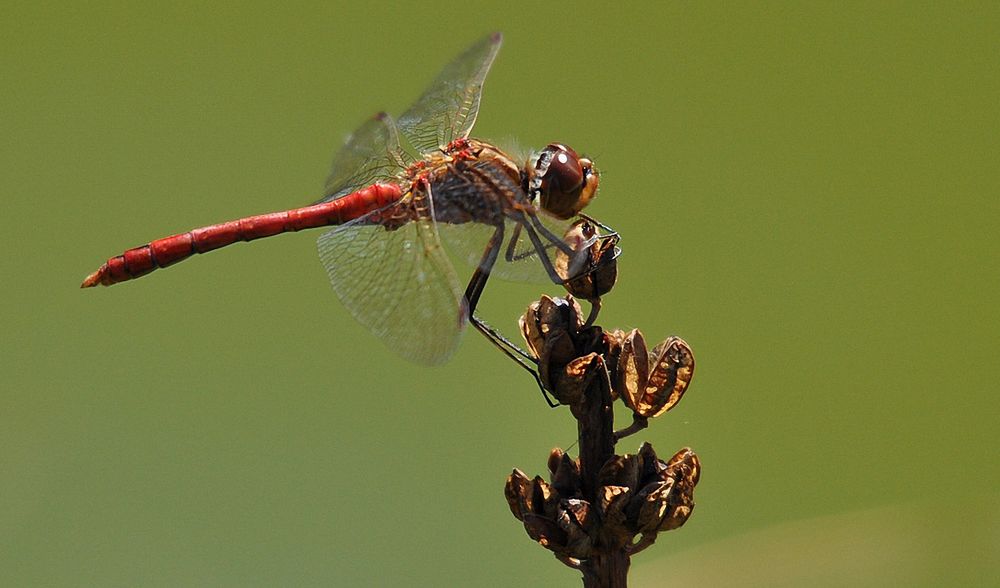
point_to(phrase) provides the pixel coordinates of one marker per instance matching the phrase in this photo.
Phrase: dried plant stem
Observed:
(608, 565)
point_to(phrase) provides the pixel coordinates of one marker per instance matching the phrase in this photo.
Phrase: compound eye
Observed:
(564, 173)
(565, 182)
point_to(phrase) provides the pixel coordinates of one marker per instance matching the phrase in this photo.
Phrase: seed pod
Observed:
(547, 318)
(568, 354)
(592, 270)
(684, 469)
(651, 384)
(565, 473)
(517, 490)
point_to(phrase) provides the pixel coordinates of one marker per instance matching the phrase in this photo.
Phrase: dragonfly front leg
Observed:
(540, 250)
(565, 248)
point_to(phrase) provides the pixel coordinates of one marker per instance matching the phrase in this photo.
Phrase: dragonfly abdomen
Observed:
(141, 260)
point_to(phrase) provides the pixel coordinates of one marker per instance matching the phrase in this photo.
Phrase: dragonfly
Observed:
(404, 198)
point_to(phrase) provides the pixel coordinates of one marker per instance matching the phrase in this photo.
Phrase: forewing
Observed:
(399, 284)
(371, 154)
(448, 108)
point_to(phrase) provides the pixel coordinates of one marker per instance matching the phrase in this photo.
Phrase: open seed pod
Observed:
(568, 353)
(653, 383)
(592, 270)
(548, 320)
(559, 522)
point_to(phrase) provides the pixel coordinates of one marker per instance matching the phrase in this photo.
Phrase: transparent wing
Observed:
(448, 108)
(398, 283)
(371, 154)
(519, 259)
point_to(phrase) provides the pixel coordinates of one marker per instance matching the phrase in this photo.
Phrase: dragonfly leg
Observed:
(510, 255)
(539, 247)
(595, 304)
(553, 239)
(497, 338)
(475, 290)
(478, 282)
(608, 231)
(609, 234)
(472, 294)
(518, 355)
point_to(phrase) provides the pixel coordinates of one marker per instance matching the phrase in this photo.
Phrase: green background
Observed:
(808, 194)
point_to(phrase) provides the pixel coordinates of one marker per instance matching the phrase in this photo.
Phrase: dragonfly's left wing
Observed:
(398, 282)
(371, 154)
(448, 108)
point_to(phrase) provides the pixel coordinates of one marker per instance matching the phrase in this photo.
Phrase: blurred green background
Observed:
(808, 195)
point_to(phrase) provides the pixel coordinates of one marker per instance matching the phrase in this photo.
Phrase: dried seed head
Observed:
(636, 495)
(570, 384)
(548, 318)
(653, 383)
(653, 507)
(592, 270)
(569, 355)
(551, 516)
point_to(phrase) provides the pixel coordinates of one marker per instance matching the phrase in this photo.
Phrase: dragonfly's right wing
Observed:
(371, 154)
(398, 283)
(448, 108)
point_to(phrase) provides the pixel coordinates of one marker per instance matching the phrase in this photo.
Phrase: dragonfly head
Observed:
(564, 182)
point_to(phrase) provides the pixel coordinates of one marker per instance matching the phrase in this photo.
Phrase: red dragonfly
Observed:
(407, 195)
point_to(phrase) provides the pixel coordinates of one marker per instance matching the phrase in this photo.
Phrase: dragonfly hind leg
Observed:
(505, 345)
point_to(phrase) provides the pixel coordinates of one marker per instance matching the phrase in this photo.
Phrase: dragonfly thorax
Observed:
(470, 181)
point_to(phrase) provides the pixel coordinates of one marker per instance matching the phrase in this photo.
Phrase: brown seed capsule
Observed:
(580, 511)
(555, 459)
(545, 531)
(547, 318)
(578, 541)
(592, 270)
(653, 507)
(684, 469)
(517, 490)
(573, 380)
(614, 500)
(620, 470)
(653, 383)
(685, 466)
(557, 352)
(569, 356)
(542, 497)
(566, 475)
